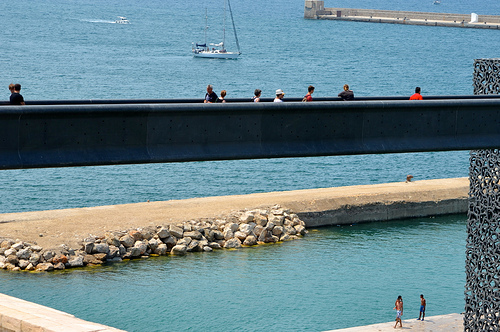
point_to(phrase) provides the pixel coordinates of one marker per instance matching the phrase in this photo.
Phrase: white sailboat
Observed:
(218, 50)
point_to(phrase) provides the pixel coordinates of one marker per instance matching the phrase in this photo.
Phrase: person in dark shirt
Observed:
(210, 96)
(346, 94)
(16, 98)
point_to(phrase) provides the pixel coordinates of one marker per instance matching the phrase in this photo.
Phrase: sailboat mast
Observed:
(206, 26)
(234, 28)
(224, 27)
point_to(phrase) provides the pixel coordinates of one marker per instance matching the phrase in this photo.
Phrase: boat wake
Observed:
(97, 21)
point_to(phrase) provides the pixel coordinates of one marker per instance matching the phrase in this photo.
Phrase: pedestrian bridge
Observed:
(109, 132)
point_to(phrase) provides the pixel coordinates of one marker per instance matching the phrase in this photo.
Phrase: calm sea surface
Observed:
(335, 277)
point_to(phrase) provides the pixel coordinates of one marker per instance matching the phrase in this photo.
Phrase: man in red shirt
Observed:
(310, 91)
(416, 95)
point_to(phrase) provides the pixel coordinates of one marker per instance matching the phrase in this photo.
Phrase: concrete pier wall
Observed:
(17, 315)
(315, 9)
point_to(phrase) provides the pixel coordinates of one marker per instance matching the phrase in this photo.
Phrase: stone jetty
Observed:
(60, 239)
(236, 230)
(315, 9)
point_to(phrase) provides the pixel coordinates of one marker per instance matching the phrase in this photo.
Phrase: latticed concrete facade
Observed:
(482, 265)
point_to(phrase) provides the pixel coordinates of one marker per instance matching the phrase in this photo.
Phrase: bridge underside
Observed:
(103, 134)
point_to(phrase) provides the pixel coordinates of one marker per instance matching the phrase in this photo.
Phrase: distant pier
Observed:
(315, 9)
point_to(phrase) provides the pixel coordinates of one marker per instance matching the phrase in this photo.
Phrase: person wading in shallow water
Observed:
(399, 311)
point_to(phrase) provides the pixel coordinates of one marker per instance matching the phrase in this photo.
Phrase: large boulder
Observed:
(170, 242)
(176, 231)
(278, 230)
(240, 235)
(12, 259)
(214, 245)
(233, 243)
(6, 244)
(247, 228)
(179, 250)
(233, 227)
(18, 246)
(45, 267)
(250, 241)
(76, 261)
(153, 244)
(277, 220)
(193, 234)
(127, 241)
(92, 260)
(60, 258)
(300, 229)
(142, 246)
(246, 217)
(23, 264)
(10, 251)
(258, 230)
(260, 219)
(184, 241)
(290, 230)
(59, 266)
(113, 252)
(163, 233)
(24, 253)
(34, 258)
(88, 247)
(101, 248)
(218, 235)
(228, 234)
(194, 246)
(112, 239)
(161, 249)
(137, 235)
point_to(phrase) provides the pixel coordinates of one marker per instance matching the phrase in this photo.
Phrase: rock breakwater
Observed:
(236, 230)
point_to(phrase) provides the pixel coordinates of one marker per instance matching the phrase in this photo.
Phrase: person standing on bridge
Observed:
(417, 95)
(210, 96)
(279, 96)
(16, 98)
(256, 97)
(346, 94)
(308, 96)
(399, 311)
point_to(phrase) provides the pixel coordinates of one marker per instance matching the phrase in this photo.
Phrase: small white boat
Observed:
(122, 20)
(217, 51)
(437, 2)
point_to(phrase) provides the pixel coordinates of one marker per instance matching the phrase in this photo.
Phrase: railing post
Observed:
(482, 262)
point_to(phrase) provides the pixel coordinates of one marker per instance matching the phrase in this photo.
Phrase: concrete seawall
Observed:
(17, 315)
(315, 9)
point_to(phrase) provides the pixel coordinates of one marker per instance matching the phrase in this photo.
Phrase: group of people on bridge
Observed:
(346, 94)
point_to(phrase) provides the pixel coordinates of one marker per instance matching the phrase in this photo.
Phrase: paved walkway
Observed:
(443, 323)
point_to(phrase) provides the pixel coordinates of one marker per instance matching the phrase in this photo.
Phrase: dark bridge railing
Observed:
(79, 133)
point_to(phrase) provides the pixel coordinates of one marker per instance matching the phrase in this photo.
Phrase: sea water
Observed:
(335, 277)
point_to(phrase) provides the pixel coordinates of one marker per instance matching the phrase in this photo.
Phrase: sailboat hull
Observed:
(216, 55)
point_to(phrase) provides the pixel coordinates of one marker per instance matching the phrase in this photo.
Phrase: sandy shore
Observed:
(50, 229)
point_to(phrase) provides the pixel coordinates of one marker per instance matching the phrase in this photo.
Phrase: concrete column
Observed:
(482, 262)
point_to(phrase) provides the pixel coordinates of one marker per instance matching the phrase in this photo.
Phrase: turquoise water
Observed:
(336, 277)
